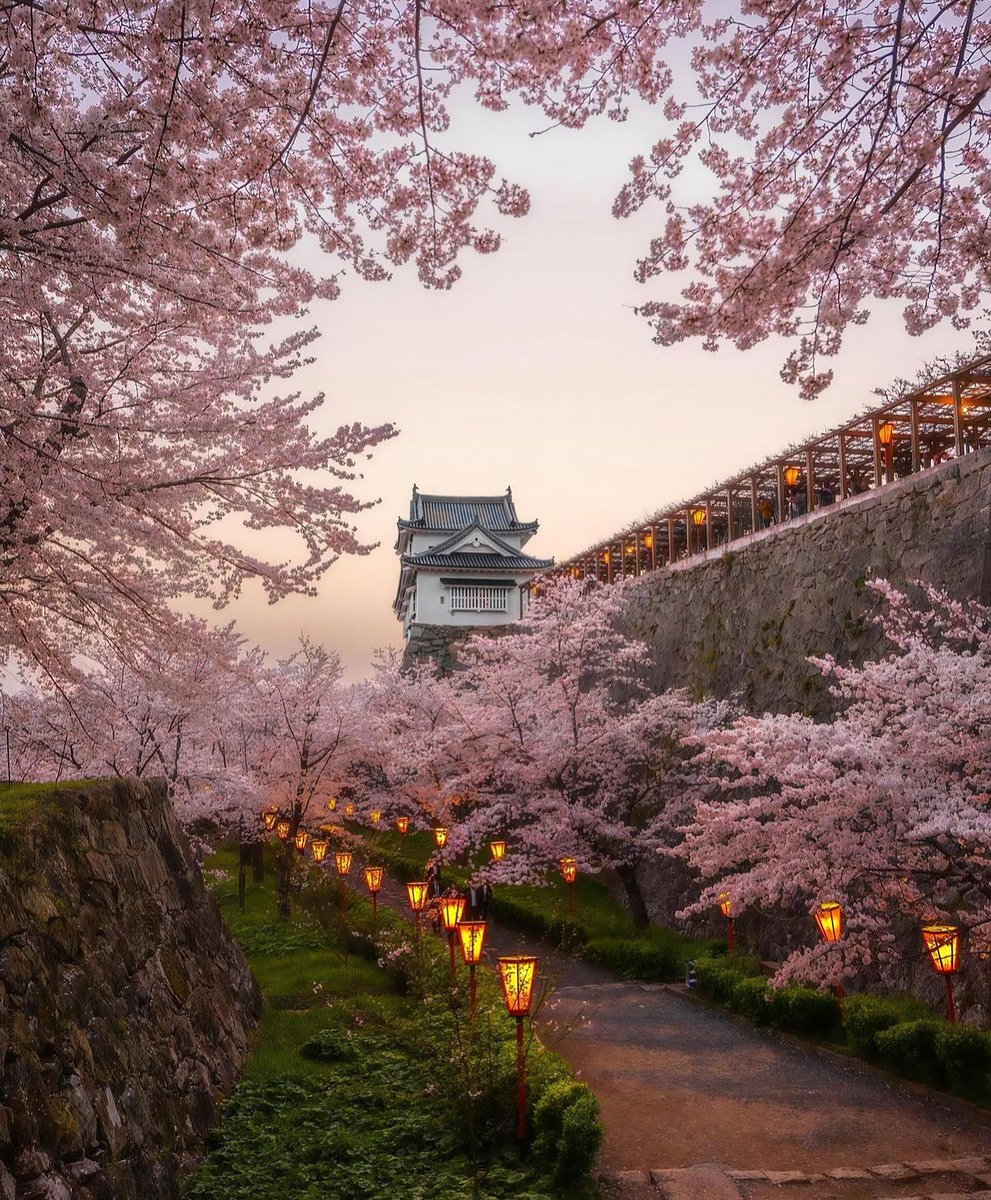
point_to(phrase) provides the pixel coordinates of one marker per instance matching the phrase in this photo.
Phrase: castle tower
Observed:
(462, 562)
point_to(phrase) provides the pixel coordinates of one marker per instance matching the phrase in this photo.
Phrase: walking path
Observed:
(700, 1105)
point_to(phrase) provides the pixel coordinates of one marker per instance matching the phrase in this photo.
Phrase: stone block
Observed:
(895, 1172)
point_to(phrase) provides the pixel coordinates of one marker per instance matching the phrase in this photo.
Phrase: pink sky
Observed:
(534, 371)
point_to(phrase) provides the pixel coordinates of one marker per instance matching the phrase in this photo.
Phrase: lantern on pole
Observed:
(373, 881)
(332, 804)
(376, 815)
(452, 909)
(417, 894)
(829, 918)
(302, 837)
(886, 436)
(270, 816)
(318, 847)
(498, 851)
(792, 475)
(569, 873)
(517, 974)
(402, 824)
(440, 836)
(942, 943)
(472, 937)
(726, 908)
(282, 830)
(350, 809)
(342, 860)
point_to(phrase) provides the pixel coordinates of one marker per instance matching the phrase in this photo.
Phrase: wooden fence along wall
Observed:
(948, 418)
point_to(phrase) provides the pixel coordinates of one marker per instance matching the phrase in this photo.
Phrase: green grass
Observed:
(20, 801)
(353, 1088)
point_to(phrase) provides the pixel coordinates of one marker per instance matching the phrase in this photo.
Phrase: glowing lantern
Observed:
(440, 836)
(498, 851)
(725, 904)
(270, 816)
(402, 824)
(792, 475)
(576, 573)
(886, 433)
(829, 918)
(350, 809)
(452, 909)
(698, 516)
(319, 848)
(471, 934)
(342, 859)
(648, 541)
(376, 815)
(517, 974)
(302, 837)
(942, 943)
(606, 557)
(331, 804)
(417, 894)
(373, 881)
(282, 829)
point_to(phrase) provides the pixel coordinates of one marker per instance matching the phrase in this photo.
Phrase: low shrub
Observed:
(965, 1055)
(867, 1016)
(804, 1010)
(749, 998)
(636, 959)
(910, 1049)
(715, 979)
(567, 1131)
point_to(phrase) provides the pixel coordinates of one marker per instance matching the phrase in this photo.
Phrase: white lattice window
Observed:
(475, 597)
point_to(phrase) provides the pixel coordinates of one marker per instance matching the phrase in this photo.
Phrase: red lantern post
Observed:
(517, 974)
(569, 873)
(942, 943)
(472, 935)
(452, 909)
(417, 894)
(373, 881)
(829, 919)
(726, 908)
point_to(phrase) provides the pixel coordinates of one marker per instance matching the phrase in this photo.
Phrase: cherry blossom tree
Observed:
(181, 717)
(884, 808)
(549, 737)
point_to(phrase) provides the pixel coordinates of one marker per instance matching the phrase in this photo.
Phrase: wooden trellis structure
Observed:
(949, 417)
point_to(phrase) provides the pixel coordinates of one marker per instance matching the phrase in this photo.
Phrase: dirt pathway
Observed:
(698, 1105)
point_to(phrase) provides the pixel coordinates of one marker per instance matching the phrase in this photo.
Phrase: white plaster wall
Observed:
(430, 610)
(420, 543)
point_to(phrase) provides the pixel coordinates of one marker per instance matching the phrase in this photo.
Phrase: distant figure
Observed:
(765, 513)
(826, 495)
(486, 898)
(475, 901)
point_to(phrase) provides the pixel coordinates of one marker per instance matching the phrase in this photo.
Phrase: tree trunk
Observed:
(285, 882)
(634, 897)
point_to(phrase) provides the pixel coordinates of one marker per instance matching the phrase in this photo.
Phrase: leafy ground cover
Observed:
(369, 1078)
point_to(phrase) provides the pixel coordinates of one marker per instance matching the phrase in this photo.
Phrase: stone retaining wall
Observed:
(744, 618)
(126, 1008)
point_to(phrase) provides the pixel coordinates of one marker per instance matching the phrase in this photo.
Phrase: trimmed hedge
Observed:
(867, 1016)
(966, 1057)
(909, 1048)
(744, 989)
(660, 960)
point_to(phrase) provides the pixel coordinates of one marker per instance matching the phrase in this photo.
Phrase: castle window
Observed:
(473, 597)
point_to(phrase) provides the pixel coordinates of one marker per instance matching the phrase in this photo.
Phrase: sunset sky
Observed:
(534, 371)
